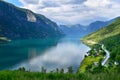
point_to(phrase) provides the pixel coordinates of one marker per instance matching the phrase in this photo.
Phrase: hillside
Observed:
(106, 32)
(19, 23)
(109, 36)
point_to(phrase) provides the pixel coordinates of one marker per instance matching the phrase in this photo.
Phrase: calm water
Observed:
(49, 53)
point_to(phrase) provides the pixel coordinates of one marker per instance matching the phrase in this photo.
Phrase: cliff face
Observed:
(18, 23)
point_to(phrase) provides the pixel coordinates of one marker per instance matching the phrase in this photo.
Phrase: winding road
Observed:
(107, 55)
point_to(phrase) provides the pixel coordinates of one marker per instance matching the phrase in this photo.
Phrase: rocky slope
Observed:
(18, 23)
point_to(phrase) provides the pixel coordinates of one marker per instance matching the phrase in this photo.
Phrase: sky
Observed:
(73, 11)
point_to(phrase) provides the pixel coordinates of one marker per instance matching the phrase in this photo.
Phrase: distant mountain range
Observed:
(73, 30)
(80, 30)
(18, 23)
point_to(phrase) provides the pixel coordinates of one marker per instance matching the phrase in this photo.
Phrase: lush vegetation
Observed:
(87, 62)
(113, 45)
(26, 75)
(92, 60)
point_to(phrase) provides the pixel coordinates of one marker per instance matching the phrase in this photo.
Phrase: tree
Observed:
(100, 62)
(62, 70)
(22, 69)
(88, 67)
(70, 70)
(43, 70)
(118, 59)
(57, 70)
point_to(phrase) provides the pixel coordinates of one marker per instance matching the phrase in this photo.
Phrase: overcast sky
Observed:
(73, 11)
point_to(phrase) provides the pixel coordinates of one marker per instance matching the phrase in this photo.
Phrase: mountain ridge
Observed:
(82, 30)
(19, 23)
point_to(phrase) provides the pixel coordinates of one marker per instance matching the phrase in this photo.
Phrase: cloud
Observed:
(97, 3)
(25, 2)
(75, 11)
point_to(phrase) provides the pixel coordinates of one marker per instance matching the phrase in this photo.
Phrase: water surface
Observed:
(47, 53)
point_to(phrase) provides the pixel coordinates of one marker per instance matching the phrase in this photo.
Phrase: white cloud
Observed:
(97, 3)
(75, 11)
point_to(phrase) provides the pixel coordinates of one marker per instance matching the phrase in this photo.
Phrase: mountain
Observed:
(73, 30)
(110, 37)
(19, 23)
(81, 30)
(98, 25)
(109, 31)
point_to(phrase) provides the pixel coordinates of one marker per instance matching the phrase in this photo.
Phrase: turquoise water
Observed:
(47, 53)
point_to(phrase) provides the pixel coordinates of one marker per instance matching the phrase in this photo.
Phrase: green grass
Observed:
(88, 61)
(24, 75)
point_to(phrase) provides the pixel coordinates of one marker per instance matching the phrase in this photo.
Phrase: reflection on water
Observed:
(23, 50)
(68, 52)
(47, 53)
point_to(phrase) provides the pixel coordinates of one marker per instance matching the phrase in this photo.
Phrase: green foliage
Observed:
(43, 70)
(88, 68)
(57, 70)
(70, 70)
(113, 45)
(118, 58)
(62, 70)
(22, 69)
(87, 62)
(25, 75)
